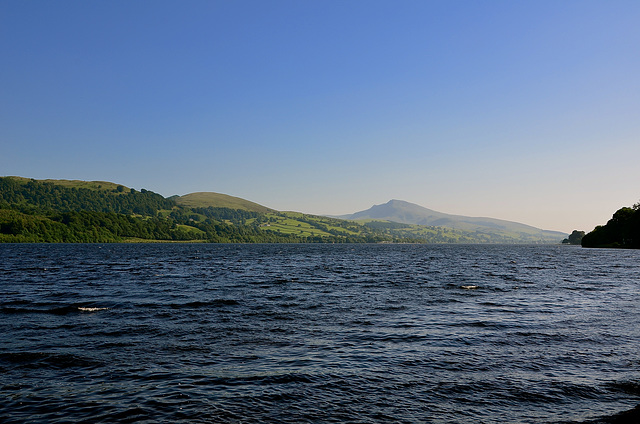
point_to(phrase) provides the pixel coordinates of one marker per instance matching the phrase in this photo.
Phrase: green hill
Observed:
(218, 200)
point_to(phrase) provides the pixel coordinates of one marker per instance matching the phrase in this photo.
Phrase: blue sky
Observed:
(521, 110)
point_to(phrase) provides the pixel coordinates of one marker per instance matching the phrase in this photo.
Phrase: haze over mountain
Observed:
(409, 213)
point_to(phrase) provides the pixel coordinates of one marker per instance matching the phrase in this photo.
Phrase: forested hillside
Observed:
(622, 230)
(50, 211)
(48, 196)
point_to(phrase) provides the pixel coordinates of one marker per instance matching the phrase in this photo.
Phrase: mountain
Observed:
(409, 213)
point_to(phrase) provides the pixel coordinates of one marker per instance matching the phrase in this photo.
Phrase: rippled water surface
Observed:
(318, 333)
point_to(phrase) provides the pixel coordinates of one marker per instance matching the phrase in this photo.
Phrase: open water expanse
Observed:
(196, 333)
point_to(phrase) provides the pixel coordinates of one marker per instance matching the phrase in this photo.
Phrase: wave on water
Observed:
(319, 334)
(52, 310)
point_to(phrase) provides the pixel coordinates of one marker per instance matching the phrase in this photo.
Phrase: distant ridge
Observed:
(76, 211)
(218, 200)
(409, 213)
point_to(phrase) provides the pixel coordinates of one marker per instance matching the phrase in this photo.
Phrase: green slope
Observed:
(218, 200)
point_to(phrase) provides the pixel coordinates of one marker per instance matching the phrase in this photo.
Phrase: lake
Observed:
(273, 333)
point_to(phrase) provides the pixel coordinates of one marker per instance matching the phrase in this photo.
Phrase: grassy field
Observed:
(289, 225)
(311, 225)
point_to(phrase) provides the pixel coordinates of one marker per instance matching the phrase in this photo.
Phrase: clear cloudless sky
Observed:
(520, 110)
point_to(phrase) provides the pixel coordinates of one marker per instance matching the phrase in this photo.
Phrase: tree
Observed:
(574, 238)
(622, 230)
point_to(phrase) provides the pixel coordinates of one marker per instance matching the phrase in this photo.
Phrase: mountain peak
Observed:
(409, 213)
(397, 202)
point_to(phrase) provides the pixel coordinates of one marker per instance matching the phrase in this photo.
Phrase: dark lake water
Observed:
(188, 333)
